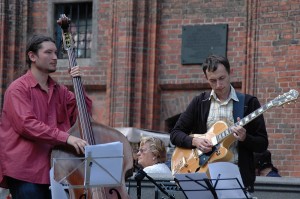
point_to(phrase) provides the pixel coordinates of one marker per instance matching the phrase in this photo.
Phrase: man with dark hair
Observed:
(37, 114)
(264, 166)
(224, 104)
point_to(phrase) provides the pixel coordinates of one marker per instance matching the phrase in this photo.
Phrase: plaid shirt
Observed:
(223, 111)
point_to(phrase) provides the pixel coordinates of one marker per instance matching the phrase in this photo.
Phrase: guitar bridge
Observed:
(206, 156)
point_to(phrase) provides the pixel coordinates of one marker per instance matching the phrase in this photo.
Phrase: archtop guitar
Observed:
(193, 160)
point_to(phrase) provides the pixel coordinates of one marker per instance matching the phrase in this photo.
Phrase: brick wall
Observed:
(135, 74)
(263, 49)
(278, 71)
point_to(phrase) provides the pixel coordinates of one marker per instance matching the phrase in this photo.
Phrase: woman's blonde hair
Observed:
(157, 147)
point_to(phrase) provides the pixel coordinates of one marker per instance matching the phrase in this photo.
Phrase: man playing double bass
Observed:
(37, 114)
(221, 104)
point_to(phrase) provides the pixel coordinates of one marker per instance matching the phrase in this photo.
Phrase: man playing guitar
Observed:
(214, 111)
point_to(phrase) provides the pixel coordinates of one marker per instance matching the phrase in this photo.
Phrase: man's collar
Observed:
(232, 95)
(34, 83)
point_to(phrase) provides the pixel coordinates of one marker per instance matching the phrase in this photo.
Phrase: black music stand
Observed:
(102, 167)
(195, 184)
(225, 182)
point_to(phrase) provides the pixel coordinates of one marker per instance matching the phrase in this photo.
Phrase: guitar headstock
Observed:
(64, 23)
(288, 97)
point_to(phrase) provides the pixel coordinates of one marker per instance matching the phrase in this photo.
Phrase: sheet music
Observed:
(106, 167)
(57, 190)
(193, 185)
(223, 170)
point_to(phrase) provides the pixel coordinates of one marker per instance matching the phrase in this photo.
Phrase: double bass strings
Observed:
(81, 104)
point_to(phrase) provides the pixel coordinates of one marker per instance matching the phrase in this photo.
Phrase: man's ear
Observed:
(32, 56)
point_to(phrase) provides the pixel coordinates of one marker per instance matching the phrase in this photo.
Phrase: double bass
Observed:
(91, 131)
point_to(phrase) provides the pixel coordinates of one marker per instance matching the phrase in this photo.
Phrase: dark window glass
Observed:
(80, 27)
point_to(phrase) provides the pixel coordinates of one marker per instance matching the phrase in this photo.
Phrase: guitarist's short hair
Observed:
(211, 63)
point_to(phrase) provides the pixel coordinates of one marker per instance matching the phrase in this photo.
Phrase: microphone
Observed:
(140, 175)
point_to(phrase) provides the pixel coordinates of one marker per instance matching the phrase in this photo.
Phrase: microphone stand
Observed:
(140, 176)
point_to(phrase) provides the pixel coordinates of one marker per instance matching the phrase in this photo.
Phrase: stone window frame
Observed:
(80, 61)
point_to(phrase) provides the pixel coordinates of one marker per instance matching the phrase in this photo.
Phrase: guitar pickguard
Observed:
(203, 159)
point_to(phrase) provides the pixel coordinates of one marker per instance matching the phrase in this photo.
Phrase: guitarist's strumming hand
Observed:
(239, 132)
(203, 144)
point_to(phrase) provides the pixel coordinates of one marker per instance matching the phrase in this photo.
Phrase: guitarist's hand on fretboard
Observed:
(239, 132)
(203, 144)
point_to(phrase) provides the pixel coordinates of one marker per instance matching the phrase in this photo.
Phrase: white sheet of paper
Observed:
(57, 190)
(107, 168)
(189, 184)
(223, 170)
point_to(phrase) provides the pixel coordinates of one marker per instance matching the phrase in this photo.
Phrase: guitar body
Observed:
(193, 160)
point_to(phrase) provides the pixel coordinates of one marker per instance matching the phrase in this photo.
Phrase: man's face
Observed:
(45, 60)
(219, 81)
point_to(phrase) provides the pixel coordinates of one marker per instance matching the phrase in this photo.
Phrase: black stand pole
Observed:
(211, 188)
(140, 176)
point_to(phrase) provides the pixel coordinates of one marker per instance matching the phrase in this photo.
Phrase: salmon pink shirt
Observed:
(33, 121)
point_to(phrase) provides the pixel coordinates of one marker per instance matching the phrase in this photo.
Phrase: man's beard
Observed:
(51, 70)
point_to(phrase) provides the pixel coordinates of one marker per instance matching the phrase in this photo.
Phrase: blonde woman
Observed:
(152, 155)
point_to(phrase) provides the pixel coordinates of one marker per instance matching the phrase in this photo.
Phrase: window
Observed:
(80, 27)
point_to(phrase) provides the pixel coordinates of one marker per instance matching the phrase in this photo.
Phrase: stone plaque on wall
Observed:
(199, 41)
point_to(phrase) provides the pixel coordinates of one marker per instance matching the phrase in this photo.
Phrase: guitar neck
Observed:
(278, 101)
(244, 121)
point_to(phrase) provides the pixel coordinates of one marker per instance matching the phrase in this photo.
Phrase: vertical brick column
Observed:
(132, 75)
(249, 80)
(152, 100)
(119, 69)
(145, 107)
(2, 31)
(13, 29)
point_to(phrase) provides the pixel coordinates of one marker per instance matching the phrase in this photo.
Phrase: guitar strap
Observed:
(238, 107)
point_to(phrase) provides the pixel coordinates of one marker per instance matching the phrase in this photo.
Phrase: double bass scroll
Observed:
(91, 131)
